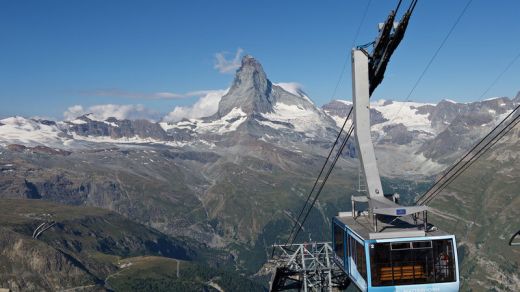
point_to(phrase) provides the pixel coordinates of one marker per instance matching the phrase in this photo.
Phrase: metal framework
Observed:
(378, 204)
(368, 71)
(305, 267)
(515, 239)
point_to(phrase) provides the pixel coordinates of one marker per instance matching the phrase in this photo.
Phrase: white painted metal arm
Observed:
(361, 103)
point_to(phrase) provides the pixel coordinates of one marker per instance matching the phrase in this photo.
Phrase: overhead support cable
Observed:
(497, 133)
(479, 154)
(446, 173)
(469, 163)
(384, 46)
(390, 35)
(455, 171)
(365, 12)
(297, 223)
(499, 76)
(322, 185)
(356, 35)
(434, 56)
(451, 169)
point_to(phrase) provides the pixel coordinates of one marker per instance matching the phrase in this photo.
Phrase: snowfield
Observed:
(398, 112)
(227, 123)
(28, 132)
(19, 130)
(303, 120)
(395, 112)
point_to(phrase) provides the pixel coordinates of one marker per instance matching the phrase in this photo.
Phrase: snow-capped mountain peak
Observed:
(277, 106)
(251, 91)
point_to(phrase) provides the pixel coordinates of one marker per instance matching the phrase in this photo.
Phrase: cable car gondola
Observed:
(400, 257)
(381, 245)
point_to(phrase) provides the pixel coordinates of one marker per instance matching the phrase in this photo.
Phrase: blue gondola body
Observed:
(362, 273)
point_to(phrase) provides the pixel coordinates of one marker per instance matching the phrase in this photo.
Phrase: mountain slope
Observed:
(481, 208)
(165, 274)
(79, 248)
(423, 139)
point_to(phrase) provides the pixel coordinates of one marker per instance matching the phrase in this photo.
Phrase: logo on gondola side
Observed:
(433, 289)
(400, 212)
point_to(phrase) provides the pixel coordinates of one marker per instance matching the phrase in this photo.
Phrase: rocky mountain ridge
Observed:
(278, 114)
(439, 132)
(448, 127)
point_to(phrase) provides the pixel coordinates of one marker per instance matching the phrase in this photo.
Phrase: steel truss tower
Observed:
(305, 267)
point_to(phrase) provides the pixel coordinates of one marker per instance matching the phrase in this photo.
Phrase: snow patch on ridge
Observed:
(78, 122)
(395, 112)
(398, 112)
(340, 120)
(303, 120)
(127, 140)
(492, 98)
(347, 102)
(28, 132)
(19, 130)
(228, 123)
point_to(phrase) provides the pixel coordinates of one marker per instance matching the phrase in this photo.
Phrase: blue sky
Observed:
(57, 54)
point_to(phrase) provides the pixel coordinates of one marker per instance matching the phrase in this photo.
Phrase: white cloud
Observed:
(105, 111)
(205, 106)
(114, 92)
(73, 112)
(228, 66)
(294, 88)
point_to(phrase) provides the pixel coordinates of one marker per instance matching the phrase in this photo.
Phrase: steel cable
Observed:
(338, 155)
(447, 178)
